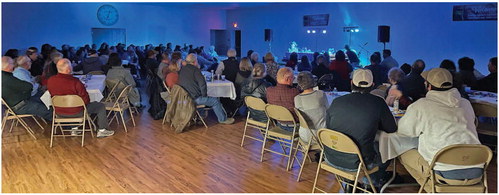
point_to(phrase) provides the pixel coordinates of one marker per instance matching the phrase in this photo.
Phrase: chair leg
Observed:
(131, 116)
(4, 120)
(202, 120)
(83, 134)
(317, 173)
(371, 183)
(302, 164)
(289, 156)
(37, 122)
(244, 132)
(52, 133)
(123, 119)
(263, 147)
(164, 118)
(30, 131)
(12, 125)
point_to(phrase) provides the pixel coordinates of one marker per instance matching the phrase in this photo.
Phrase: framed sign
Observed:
(316, 20)
(483, 11)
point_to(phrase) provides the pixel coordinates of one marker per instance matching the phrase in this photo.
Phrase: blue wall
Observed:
(418, 30)
(33, 24)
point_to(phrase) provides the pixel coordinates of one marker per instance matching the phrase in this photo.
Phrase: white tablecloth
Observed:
(483, 97)
(332, 95)
(392, 145)
(220, 88)
(95, 86)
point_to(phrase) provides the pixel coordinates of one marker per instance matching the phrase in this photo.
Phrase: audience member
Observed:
(283, 93)
(65, 84)
(13, 53)
(22, 72)
(243, 75)
(255, 58)
(212, 52)
(17, 93)
(439, 120)
(191, 79)
(229, 67)
(395, 75)
(388, 60)
(248, 54)
(406, 68)
(360, 121)
(36, 61)
(163, 66)
(171, 77)
(292, 61)
(466, 71)
(304, 65)
(379, 72)
(151, 63)
(272, 67)
(342, 69)
(321, 68)
(413, 85)
(50, 68)
(456, 81)
(119, 73)
(91, 63)
(312, 103)
(257, 87)
(489, 83)
(314, 61)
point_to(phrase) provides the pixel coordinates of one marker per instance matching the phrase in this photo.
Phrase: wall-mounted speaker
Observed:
(383, 34)
(268, 35)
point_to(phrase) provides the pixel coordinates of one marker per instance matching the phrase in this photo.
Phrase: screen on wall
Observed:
(316, 20)
(483, 11)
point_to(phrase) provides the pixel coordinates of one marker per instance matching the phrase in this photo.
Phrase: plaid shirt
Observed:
(283, 95)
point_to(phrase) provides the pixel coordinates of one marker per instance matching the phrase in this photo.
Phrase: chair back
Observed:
(326, 82)
(114, 85)
(463, 154)
(123, 97)
(255, 103)
(67, 101)
(166, 87)
(484, 110)
(338, 141)
(305, 125)
(279, 113)
(9, 110)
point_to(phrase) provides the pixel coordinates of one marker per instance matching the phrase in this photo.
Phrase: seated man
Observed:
(91, 63)
(17, 93)
(440, 119)
(412, 85)
(22, 72)
(283, 94)
(489, 83)
(191, 79)
(360, 115)
(65, 84)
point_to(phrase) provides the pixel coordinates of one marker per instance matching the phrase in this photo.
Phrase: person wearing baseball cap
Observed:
(91, 63)
(360, 115)
(440, 119)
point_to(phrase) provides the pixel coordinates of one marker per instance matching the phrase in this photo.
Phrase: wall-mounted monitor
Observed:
(482, 11)
(316, 20)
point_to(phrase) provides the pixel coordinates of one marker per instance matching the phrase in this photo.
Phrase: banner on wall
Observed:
(483, 11)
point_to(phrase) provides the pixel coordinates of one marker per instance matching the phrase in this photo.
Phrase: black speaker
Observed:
(384, 34)
(268, 34)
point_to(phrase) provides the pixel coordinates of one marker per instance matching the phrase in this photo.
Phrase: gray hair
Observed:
(231, 53)
(191, 59)
(259, 70)
(305, 80)
(254, 55)
(6, 61)
(396, 74)
(63, 64)
(21, 60)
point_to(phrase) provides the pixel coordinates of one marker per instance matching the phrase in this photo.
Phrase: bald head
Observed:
(64, 66)
(192, 59)
(231, 53)
(285, 76)
(7, 64)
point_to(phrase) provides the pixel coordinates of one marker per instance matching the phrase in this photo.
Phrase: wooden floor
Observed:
(152, 158)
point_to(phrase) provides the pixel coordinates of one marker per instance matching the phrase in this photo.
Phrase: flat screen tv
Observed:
(316, 20)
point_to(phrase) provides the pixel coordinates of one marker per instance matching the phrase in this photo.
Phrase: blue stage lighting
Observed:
(356, 30)
(313, 31)
(323, 31)
(308, 31)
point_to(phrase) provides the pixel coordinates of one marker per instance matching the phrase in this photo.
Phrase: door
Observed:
(221, 40)
(112, 36)
(238, 43)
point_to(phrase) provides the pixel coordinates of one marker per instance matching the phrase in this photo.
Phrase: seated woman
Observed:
(395, 75)
(312, 103)
(119, 73)
(171, 73)
(257, 87)
(243, 75)
(304, 65)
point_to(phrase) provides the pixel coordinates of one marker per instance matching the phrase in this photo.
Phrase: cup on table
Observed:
(217, 77)
(223, 77)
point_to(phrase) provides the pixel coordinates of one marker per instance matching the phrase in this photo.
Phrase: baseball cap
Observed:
(362, 78)
(438, 77)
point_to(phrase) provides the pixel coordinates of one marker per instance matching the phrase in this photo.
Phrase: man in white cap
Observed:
(360, 115)
(440, 119)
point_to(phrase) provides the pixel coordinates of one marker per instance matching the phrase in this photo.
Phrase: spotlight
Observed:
(323, 31)
(313, 31)
(356, 30)
(308, 31)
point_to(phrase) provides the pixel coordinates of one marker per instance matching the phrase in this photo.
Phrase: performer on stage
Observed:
(352, 57)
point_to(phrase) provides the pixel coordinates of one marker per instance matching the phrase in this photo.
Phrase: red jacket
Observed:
(342, 68)
(66, 84)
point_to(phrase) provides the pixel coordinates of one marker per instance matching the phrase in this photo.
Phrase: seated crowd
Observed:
(438, 111)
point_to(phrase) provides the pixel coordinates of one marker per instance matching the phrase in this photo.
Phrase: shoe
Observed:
(75, 131)
(228, 121)
(104, 133)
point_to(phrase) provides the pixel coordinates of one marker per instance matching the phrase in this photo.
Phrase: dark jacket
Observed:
(488, 83)
(36, 67)
(256, 88)
(413, 86)
(380, 74)
(89, 64)
(14, 90)
(304, 67)
(468, 78)
(191, 79)
(241, 78)
(320, 71)
(358, 116)
(231, 67)
(152, 64)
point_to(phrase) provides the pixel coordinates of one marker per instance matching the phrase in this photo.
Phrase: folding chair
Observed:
(259, 105)
(120, 106)
(113, 85)
(326, 82)
(486, 131)
(167, 90)
(11, 115)
(69, 101)
(303, 146)
(340, 142)
(460, 154)
(285, 138)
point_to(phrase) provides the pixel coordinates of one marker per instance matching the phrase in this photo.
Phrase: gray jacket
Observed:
(191, 79)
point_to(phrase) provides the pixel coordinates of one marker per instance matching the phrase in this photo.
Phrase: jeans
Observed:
(95, 108)
(35, 108)
(461, 174)
(215, 104)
